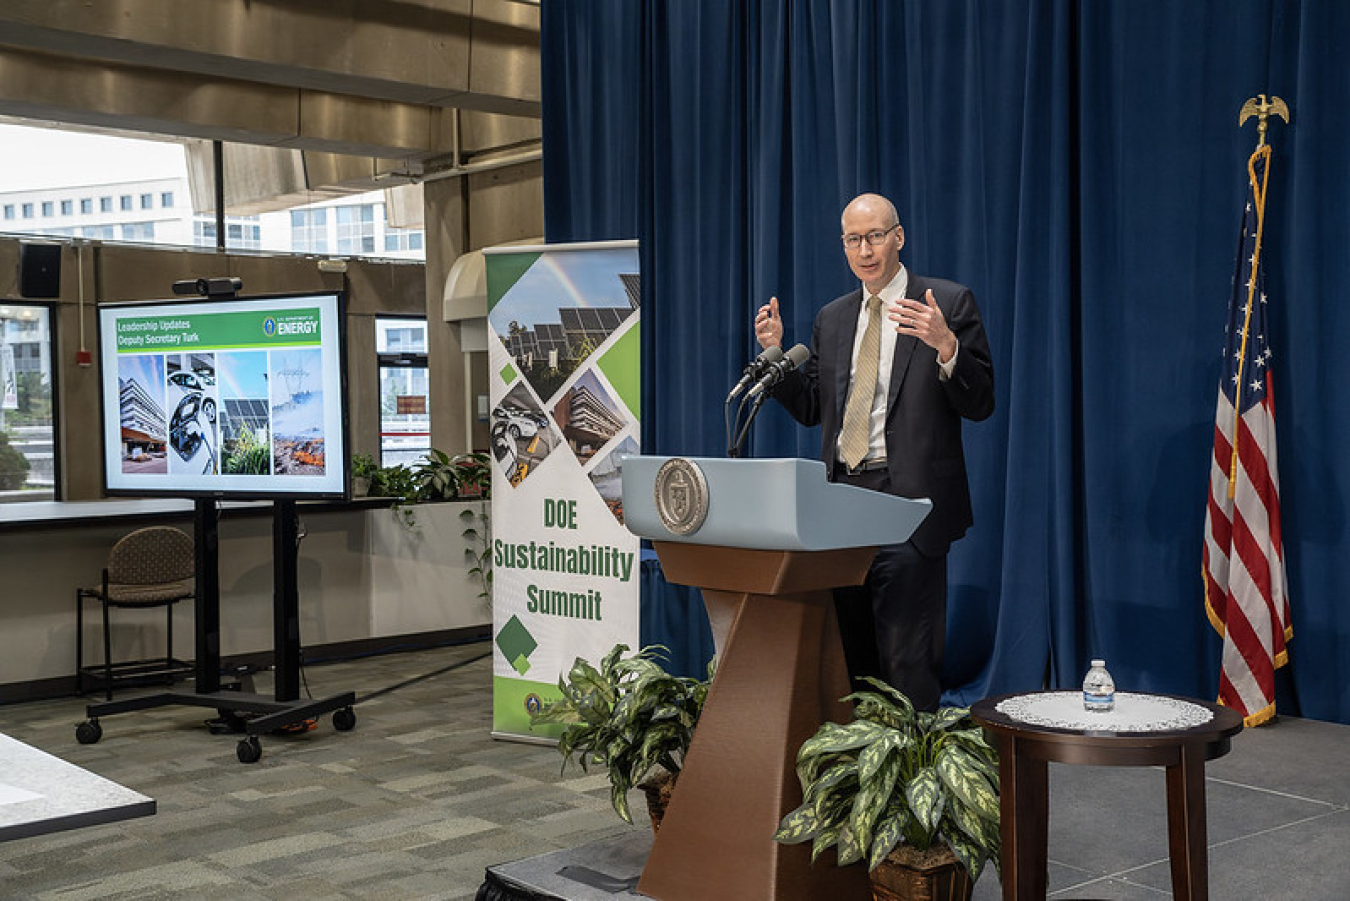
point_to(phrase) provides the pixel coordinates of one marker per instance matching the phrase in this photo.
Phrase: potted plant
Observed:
(631, 716)
(474, 473)
(363, 468)
(915, 794)
(436, 477)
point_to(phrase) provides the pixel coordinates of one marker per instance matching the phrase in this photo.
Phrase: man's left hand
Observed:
(923, 320)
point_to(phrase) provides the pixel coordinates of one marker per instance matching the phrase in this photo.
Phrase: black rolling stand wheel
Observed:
(88, 732)
(344, 719)
(249, 750)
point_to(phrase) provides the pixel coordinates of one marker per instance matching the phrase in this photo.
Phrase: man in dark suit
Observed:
(916, 351)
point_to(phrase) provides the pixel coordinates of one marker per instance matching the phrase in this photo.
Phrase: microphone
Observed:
(779, 370)
(756, 367)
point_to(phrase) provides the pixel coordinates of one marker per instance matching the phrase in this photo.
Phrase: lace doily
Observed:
(1133, 712)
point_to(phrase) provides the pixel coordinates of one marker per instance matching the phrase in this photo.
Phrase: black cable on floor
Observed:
(415, 679)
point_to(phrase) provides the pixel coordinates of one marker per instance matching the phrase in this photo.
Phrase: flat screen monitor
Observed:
(229, 398)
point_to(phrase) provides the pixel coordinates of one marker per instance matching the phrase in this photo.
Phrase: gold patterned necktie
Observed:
(855, 437)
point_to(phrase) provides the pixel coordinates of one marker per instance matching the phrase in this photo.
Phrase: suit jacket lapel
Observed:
(848, 330)
(905, 345)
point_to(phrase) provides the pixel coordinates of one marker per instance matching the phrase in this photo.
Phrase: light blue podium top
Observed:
(774, 504)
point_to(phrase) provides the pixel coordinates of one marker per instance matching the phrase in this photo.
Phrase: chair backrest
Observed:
(152, 556)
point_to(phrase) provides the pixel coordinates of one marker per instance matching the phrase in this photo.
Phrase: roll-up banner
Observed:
(563, 360)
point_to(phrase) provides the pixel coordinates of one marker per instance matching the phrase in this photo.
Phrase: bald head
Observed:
(871, 205)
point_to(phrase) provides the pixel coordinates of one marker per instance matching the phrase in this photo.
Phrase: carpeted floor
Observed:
(413, 803)
(418, 800)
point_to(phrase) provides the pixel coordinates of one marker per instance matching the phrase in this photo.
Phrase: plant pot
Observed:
(658, 788)
(932, 875)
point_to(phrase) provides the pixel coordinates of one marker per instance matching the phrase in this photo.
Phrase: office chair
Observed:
(150, 567)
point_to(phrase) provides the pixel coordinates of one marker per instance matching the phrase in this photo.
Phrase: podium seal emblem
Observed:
(681, 496)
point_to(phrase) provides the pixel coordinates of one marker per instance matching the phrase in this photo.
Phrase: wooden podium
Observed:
(778, 539)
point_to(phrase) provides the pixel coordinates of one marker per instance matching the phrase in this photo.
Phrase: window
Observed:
(405, 417)
(239, 233)
(147, 201)
(105, 204)
(126, 202)
(48, 209)
(67, 208)
(356, 228)
(396, 239)
(9, 211)
(86, 205)
(27, 424)
(166, 199)
(309, 231)
(28, 211)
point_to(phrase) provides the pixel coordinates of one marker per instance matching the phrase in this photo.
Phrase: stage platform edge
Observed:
(604, 870)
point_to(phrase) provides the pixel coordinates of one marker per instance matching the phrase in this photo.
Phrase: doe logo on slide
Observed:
(517, 644)
(269, 326)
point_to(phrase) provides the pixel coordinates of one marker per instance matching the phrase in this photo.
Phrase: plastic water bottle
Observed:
(1099, 689)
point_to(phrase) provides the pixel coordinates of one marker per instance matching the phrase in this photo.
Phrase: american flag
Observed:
(1245, 588)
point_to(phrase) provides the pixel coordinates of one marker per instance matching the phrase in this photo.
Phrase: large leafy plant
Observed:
(630, 715)
(897, 775)
(437, 476)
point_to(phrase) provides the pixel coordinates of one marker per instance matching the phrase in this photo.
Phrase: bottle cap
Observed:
(1099, 663)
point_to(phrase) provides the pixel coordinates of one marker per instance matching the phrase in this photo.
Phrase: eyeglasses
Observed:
(875, 238)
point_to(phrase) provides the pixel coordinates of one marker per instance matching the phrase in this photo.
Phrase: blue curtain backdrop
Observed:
(1079, 165)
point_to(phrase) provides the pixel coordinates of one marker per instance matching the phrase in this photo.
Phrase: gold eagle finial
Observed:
(1258, 106)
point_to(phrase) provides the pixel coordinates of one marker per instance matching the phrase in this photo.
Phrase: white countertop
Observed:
(40, 793)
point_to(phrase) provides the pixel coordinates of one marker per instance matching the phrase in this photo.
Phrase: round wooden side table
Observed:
(1026, 747)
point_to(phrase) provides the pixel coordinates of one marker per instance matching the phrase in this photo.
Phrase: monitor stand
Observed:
(285, 707)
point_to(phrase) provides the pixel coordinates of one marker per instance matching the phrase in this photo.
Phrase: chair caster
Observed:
(88, 732)
(249, 750)
(344, 720)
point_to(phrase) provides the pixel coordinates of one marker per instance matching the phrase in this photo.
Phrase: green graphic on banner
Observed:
(620, 366)
(517, 644)
(504, 272)
(219, 331)
(514, 699)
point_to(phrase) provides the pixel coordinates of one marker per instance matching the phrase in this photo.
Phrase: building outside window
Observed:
(241, 233)
(396, 239)
(357, 225)
(405, 418)
(27, 421)
(309, 231)
(356, 228)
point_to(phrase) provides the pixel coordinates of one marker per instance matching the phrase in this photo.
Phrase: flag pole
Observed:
(1262, 110)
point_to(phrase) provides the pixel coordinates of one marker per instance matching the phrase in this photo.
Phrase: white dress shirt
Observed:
(891, 294)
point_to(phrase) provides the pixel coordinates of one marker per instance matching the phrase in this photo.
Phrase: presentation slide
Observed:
(240, 398)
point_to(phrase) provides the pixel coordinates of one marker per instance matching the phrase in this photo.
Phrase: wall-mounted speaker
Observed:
(39, 270)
